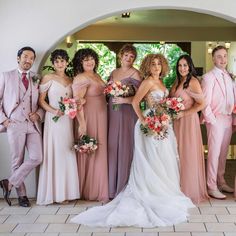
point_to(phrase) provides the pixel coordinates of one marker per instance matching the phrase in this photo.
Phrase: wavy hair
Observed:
(80, 55)
(145, 67)
(127, 48)
(192, 71)
(59, 54)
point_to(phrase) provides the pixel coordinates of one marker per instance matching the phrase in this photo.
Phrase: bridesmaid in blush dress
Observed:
(122, 122)
(58, 176)
(190, 147)
(88, 88)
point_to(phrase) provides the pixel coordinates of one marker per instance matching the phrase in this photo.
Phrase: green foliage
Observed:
(69, 69)
(170, 51)
(107, 58)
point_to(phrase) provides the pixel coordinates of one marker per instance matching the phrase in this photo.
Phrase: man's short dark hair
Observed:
(19, 53)
(219, 47)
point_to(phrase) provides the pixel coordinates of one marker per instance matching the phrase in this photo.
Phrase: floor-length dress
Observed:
(152, 196)
(58, 176)
(120, 141)
(93, 168)
(190, 147)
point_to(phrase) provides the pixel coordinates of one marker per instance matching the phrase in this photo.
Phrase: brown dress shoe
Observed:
(6, 192)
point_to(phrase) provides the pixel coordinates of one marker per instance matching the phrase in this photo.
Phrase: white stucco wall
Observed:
(42, 24)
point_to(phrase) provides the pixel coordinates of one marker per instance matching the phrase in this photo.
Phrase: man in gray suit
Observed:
(20, 117)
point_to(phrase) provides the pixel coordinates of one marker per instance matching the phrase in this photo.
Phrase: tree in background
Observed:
(107, 58)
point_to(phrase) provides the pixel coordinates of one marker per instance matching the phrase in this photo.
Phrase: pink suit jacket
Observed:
(214, 92)
(9, 97)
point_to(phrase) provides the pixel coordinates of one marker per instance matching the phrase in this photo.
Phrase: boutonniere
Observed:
(233, 77)
(36, 79)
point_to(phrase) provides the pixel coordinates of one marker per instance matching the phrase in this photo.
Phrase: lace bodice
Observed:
(155, 96)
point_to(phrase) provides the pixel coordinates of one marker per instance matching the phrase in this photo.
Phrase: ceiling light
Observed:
(209, 49)
(227, 45)
(68, 42)
(125, 15)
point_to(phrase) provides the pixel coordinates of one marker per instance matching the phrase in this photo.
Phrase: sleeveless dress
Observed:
(93, 169)
(152, 196)
(120, 142)
(58, 176)
(190, 147)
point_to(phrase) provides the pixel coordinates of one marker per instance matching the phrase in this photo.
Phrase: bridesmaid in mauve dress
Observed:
(122, 122)
(88, 88)
(190, 147)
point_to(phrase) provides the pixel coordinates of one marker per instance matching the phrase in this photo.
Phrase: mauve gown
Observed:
(190, 147)
(93, 169)
(120, 142)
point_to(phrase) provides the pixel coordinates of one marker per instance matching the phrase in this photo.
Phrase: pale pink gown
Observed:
(93, 168)
(190, 147)
(58, 176)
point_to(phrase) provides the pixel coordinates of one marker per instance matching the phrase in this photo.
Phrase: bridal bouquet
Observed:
(173, 106)
(68, 106)
(86, 144)
(116, 89)
(157, 122)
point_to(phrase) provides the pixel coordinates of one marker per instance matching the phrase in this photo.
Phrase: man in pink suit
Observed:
(20, 117)
(218, 89)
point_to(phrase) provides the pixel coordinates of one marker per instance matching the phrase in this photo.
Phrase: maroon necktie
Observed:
(25, 80)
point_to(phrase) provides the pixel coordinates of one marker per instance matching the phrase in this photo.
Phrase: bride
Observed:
(152, 196)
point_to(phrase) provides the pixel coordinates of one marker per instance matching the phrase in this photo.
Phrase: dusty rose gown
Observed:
(120, 142)
(190, 147)
(93, 170)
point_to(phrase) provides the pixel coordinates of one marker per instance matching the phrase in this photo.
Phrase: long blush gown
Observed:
(58, 176)
(93, 168)
(190, 147)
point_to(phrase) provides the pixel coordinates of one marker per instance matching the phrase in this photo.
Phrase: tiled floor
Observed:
(211, 218)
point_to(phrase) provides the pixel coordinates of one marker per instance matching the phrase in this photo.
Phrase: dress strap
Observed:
(80, 85)
(194, 95)
(44, 87)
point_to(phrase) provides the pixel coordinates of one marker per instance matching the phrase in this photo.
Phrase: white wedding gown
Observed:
(152, 196)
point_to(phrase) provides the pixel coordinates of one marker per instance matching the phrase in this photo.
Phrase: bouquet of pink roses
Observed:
(157, 123)
(68, 106)
(173, 106)
(86, 144)
(116, 89)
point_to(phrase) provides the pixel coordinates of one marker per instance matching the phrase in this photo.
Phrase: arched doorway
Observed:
(45, 25)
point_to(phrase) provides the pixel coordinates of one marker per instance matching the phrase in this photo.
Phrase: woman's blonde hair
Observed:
(145, 67)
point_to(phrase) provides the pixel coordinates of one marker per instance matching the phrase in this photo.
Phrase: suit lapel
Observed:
(16, 83)
(219, 81)
(33, 88)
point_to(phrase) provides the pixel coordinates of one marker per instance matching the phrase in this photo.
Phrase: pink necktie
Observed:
(25, 80)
